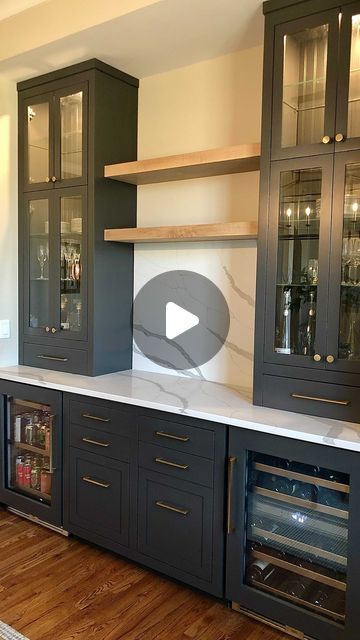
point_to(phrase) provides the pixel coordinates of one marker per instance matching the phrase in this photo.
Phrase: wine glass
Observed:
(313, 271)
(42, 256)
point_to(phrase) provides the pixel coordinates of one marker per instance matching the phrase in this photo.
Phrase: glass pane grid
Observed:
(294, 551)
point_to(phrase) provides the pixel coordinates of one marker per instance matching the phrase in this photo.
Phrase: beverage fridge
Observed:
(293, 525)
(31, 460)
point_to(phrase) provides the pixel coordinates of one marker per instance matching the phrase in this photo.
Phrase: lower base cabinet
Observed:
(294, 530)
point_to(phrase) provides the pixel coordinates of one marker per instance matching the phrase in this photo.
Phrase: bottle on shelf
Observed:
(284, 338)
(296, 586)
(260, 571)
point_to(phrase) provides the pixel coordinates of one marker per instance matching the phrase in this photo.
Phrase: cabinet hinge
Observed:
(295, 633)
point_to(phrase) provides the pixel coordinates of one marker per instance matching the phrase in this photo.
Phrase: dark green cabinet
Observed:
(308, 320)
(75, 290)
(293, 528)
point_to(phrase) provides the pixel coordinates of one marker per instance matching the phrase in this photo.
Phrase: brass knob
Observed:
(317, 357)
(326, 140)
(53, 330)
(47, 329)
(53, 179)
(339, 137)
(330, 359)
(47, 179)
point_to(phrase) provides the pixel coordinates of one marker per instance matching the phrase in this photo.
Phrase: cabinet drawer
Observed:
(104, 416)
(178, 436)
(178, 465)
(56, 358)
(175, 523)
(99, 495)
(314, 398)
(100, 442)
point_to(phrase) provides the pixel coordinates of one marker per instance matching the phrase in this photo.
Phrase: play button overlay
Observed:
(178, 320)
(181, 320)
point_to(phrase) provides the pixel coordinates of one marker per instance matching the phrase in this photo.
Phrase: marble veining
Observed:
(212, 401)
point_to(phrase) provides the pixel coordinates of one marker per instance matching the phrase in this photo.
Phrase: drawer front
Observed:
(175, 464)
(315, 398)
(100, 442)
(99, 495)
(178, 436)
(56, 358)
(104, 416)
(175, 523)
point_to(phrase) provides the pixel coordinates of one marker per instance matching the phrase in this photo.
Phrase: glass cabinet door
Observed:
(297, 533)
(305, 86)
(38, 143)
(71, 136)
(298, 267)
(343, 349)
(30, 448)
(37, 256)
(348, 100)
(71, 308)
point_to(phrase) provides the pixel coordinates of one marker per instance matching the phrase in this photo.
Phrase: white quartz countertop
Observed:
(193, 397)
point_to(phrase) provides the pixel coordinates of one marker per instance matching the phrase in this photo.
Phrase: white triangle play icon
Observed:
(178, 320)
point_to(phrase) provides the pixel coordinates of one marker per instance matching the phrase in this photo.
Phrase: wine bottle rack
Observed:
(302, 477)
(300, 502)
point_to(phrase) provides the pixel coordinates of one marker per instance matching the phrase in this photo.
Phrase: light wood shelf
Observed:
(199, 164)
(186, 233)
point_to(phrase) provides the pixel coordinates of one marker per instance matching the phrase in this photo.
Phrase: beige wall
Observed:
(210, 104)
(8, 218)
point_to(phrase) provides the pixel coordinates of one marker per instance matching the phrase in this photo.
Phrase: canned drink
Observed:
(27, 475)
(19, 470)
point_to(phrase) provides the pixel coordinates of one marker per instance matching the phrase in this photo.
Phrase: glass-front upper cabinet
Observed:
(348, 101)
(304, 91)
(298, 262)
(55, 139)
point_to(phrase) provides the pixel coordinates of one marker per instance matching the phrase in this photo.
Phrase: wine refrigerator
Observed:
(30, 460)
(293, 534)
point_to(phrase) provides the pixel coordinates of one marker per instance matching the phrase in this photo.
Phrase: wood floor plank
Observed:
(64, 589)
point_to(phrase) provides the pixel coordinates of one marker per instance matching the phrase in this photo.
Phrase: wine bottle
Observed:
(284, 345)
(295, 587)
(319, 597)
(309, 332)
(260, 571)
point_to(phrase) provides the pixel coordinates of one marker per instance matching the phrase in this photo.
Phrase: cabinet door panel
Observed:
(38, 142)
(343, 343)
(175, 523)
(348, 97)
(292, 545)
(71, 135)
(298, 262)
(99, 495)
(305, 62)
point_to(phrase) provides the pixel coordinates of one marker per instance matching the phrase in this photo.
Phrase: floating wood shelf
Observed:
(201, 164)
(186, 233)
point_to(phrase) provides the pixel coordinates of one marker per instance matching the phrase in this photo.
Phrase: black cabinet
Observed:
(308, 319)
(75, 290)
(293, 525)
(31, 451)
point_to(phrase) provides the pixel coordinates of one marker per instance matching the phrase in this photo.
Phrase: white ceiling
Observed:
(11, 7)
(160, 37)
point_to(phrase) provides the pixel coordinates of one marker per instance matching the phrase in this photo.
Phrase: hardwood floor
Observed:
(53, 588)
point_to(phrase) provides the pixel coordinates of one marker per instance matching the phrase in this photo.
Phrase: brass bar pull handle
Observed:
(299, 396)
(45, 357)
(104, 485)
(98, 444)
(91, 417)
(170, 507)
(183, 467)
(163, 434)
(230, 478)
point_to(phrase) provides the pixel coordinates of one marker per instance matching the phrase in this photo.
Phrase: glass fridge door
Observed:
(297, 533)
(29, 448)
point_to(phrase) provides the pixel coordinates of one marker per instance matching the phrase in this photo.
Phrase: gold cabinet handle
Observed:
(317, 357)
(170, 507)
(103, 485)
(326, 140)
(98, 444)
(47, 179)
(339, 137)
(53, 179)
(299, 396)
(183, 467)
(230, 479)
(53, 330)
(45, 357)
(163, 434)
(47, 329)
(330, 359)
(97, 418)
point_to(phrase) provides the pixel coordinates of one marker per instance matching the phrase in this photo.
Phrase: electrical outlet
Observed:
(4, 329)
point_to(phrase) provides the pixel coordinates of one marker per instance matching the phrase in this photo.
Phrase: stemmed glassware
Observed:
(42, 256)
